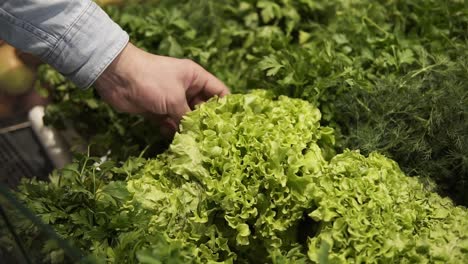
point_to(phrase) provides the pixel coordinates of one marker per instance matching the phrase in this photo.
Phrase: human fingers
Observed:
(178, 107)
(198, 99)
(205, 84)
(167, 126)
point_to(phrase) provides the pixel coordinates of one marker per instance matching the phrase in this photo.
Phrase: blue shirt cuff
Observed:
(91, 43)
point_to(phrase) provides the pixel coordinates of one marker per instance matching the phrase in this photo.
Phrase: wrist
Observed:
(114, 73)
(115, 85)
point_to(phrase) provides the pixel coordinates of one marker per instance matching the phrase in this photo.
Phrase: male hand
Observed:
(163, 88)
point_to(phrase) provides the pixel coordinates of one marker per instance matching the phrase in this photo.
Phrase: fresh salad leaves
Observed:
(336, 54)
(248, 179)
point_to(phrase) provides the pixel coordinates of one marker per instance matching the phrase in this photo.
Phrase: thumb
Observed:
(179, 110)
(168, 128)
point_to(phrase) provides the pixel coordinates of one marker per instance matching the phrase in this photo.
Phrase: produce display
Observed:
(228, 190)
(366, 164)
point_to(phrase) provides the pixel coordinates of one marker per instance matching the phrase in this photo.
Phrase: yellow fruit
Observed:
(109, 2)
(15, 76)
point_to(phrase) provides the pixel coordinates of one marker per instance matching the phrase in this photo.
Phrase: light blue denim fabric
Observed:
(76, 37)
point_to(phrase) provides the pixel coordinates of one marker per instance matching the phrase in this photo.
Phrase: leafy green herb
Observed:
(421, 121)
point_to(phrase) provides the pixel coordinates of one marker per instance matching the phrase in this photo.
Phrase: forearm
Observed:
(74, 36)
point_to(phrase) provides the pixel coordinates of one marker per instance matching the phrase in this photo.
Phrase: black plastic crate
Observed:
(21, 153)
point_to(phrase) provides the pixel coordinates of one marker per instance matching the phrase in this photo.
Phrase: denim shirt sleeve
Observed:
(76, 37)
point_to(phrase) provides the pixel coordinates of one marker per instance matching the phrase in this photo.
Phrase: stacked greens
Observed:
(389, 76)
(249, 179)
(255, 178)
